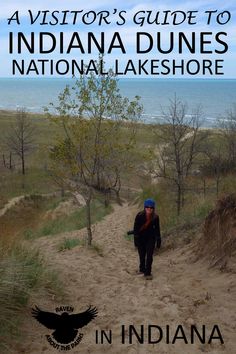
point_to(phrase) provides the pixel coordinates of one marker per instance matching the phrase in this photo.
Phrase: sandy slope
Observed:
(181, 293)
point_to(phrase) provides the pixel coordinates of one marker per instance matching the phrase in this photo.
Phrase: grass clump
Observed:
(68, 244)
(98, 249)
(22, 272)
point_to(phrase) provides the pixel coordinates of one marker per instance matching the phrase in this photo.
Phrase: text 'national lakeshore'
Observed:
(163, 60)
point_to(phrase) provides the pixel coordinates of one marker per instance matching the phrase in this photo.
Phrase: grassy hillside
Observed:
(37, 179)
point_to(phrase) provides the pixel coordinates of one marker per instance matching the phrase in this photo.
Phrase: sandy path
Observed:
(181, 293)
(16, 200)
(11, 204)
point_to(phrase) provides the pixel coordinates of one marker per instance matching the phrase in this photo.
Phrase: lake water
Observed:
(215, 96)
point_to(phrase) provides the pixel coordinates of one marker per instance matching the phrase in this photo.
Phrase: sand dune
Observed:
(182, 293)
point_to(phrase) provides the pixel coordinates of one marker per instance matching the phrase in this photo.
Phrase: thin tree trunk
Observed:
(204, 188)
(107, 198)
(23, 165)
(178, 200)
(88, 212)
(182, 197)
(10, 161)
(4, 161)
(217, 185)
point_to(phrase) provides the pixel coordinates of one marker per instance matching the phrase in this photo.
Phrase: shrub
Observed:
(69, 243)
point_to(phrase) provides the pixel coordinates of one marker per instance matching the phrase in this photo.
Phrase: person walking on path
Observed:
(147, 237)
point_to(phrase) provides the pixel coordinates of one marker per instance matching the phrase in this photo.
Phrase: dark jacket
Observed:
(152, 231)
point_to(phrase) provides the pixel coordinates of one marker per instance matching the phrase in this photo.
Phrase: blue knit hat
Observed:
(149, 203)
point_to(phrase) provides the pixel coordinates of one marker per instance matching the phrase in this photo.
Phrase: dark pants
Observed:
(145, 249)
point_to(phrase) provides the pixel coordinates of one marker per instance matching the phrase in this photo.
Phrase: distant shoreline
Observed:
(215, 97)
(43, 115)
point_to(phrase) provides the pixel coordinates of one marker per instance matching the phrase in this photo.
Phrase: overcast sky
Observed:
(127, 31)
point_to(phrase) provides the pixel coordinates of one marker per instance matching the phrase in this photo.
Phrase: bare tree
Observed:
(20, 137)
(8, 164)
(180, 140)
(228, 129)
(215, 164)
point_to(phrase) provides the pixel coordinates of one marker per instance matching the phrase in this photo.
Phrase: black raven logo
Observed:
(65, 325)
